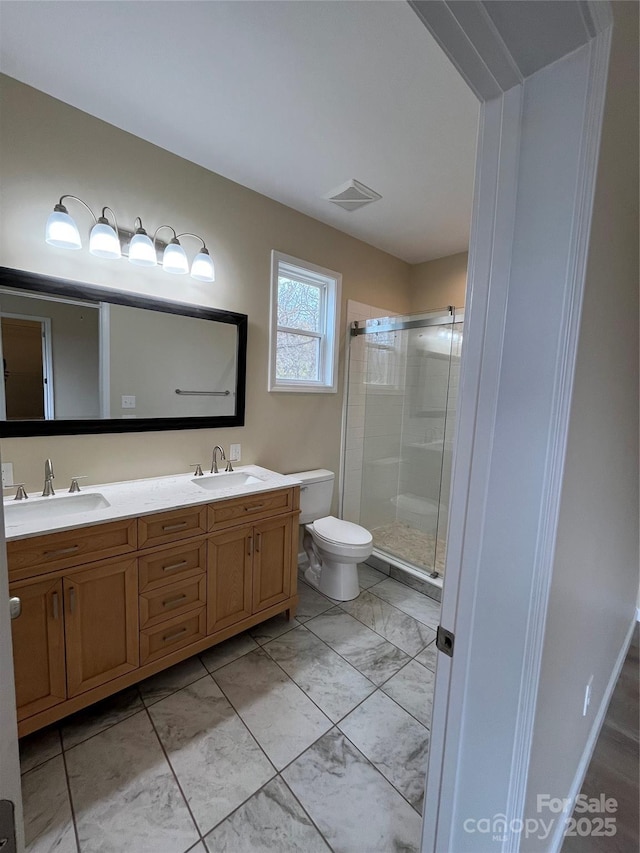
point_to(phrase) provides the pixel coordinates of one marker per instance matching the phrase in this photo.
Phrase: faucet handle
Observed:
(229, 466)
(21, 493)
(74, 487)
(198, 467)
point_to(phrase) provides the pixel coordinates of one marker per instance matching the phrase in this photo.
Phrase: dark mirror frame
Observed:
(42, 284)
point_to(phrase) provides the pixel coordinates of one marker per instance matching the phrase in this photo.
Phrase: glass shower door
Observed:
(409, 387)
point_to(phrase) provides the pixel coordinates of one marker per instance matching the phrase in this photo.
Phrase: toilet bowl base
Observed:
(335, 580)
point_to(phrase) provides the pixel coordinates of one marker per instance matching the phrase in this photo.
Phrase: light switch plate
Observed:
(235, 452)
(7, 473)
(128, 402)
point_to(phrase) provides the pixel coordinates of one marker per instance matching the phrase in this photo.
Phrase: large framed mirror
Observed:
(83, 359)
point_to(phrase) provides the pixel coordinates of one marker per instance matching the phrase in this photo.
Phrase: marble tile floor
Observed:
(303, 735)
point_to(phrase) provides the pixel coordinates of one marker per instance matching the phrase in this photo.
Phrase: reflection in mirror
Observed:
(38, 334)
(82, 359)
(180, 353)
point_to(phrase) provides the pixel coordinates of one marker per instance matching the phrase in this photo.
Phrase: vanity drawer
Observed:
(171, 635)
(250, 508)
(158, 605)
(28, 557)
(168, 527)
(168, 565)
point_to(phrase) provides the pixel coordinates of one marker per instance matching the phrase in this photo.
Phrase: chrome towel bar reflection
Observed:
(203, 393)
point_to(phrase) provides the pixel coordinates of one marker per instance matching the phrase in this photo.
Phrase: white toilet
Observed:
(334, 547)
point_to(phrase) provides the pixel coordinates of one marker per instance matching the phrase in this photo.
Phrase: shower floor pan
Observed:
(407, 547)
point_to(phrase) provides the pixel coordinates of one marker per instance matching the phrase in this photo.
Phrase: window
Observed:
(305, 309)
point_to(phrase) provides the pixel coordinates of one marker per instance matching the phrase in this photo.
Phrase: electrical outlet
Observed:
(128, 402)
(234, 452)
(7, 473)
(587, 696)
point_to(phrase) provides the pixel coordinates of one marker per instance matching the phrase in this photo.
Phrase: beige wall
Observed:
(436, 284)
(595, 576)
(48, 148)
(151, 353)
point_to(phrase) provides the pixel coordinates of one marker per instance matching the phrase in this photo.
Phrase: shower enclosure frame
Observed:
(448, 316)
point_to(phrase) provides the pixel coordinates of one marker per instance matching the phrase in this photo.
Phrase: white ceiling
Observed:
(291, 99)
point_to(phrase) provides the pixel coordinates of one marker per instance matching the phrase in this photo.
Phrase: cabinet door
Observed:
(229, 578)
(38, 647)
(272, 561)
(101, 619)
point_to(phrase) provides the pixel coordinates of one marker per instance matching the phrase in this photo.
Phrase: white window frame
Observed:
(331, 284)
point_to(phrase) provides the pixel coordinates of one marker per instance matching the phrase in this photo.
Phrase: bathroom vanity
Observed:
(135, 577)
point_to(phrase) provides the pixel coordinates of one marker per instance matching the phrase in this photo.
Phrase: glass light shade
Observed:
(174, 259)
(202, 268)
(103, 241)
(62, 231)
(141, 251)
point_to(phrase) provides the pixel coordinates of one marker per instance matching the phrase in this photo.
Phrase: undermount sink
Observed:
(56, 506)
(222, 481)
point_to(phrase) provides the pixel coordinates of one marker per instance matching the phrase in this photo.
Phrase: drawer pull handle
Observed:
(174, 566)
(61, 552)
(249, 545)
(173, 635)
(54, 602)
(171, 602)
(168, 527)
(254, 507)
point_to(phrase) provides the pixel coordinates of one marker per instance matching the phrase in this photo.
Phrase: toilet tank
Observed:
(316, 492)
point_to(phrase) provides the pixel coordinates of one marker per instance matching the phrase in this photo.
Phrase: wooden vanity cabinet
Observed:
(229, 577)
(38, 647)
(250, 566)
(101, 624)
(106, 606)
(273, 541)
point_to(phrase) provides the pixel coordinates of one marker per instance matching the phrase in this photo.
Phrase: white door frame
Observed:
(535, 178)
(47, 360)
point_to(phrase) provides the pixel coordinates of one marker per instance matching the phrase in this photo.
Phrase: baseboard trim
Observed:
(581, 772)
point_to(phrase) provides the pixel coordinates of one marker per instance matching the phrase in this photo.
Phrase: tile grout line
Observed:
(438, 604)
(326, 840)
(333, 725)
(71, 806)
(251, 735)
(373, 632)
(402, 612)
(106, 728)
(412, 657)
(384, 777)
(239, 716)
(291, 677)
(175, 776)
(376, 688)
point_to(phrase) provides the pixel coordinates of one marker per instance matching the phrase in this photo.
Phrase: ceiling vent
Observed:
(352, 195)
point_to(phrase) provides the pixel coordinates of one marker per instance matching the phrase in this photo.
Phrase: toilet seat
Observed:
(335, 531)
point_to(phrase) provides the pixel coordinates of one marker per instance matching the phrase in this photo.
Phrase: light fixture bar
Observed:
(112, 242)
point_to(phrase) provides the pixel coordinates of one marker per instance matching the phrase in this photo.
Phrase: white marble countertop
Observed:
(134, 498)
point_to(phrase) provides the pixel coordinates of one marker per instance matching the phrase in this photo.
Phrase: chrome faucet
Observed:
(214, 460)
(48, 479)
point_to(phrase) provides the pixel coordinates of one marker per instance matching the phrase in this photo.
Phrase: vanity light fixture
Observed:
(107, 241)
